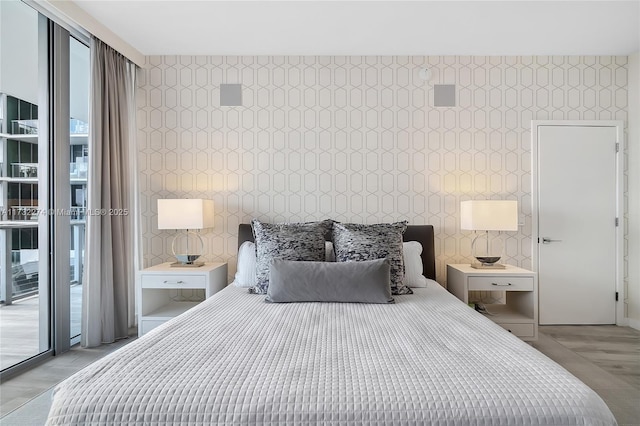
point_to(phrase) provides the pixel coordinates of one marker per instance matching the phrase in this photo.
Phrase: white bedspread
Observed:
(234, 359)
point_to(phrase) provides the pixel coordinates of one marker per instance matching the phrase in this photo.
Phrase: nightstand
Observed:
(164, 292)
(519, 313)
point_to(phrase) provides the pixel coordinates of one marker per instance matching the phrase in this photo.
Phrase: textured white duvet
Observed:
(234, 359)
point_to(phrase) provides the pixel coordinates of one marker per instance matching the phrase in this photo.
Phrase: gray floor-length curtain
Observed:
(108, 293)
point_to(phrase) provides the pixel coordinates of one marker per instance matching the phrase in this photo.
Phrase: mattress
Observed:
(235, 359)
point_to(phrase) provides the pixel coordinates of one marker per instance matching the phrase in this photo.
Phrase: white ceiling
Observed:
(327, 27)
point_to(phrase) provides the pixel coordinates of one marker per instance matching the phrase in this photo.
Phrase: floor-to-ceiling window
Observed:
(44, 85)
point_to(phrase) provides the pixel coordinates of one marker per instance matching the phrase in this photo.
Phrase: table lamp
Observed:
(488, 215)
(190, 215)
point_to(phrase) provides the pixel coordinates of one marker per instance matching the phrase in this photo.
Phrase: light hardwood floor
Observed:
(607, 358)
(20, 389)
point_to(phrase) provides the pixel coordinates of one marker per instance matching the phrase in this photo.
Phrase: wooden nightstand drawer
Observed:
(500, 283)
(520, 330)
(173, 281)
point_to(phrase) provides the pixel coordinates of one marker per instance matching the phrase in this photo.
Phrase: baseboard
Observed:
(633, 323)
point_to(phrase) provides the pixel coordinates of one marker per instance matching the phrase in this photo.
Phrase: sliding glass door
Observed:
(24, 289)
(44, 108)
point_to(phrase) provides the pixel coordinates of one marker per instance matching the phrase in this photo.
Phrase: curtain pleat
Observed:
(107, 308)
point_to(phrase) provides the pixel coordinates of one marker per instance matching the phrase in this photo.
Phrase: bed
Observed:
(234, 359)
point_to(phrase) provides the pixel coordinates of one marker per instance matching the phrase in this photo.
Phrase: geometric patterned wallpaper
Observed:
(355, 138)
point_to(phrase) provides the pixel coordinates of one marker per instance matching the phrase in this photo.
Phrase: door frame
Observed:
(620, 229)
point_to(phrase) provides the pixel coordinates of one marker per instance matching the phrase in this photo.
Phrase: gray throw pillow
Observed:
(355, 282)
(358, 242)
(289, 241)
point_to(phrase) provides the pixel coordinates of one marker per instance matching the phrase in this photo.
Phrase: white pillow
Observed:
(411, 251)
(246, 273)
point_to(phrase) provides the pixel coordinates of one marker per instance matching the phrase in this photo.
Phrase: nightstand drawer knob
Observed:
(501, 285)
(173, 282)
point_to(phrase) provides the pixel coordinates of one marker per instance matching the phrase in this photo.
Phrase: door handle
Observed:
(546, 240)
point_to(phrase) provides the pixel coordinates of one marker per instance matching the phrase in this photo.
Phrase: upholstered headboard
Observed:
(421, 233)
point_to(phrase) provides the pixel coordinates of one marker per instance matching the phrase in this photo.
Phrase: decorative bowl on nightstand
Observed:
(487, 251)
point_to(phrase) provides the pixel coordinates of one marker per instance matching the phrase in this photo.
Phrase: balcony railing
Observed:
(24, 170)
(30, 127)
(77, 169)
(24, 127)
(24, 273)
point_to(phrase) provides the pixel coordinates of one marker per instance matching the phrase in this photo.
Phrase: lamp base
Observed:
(186, 265)
(487, 266)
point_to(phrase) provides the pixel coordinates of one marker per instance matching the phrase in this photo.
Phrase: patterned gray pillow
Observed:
(287, 241)
(356, 242)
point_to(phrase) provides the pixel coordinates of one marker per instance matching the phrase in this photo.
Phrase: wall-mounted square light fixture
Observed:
(231, 95)
(444, 95)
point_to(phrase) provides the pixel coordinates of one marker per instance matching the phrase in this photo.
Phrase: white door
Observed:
(577, 207)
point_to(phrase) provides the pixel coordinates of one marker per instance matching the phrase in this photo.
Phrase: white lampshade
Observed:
(185, 213)
(489, 215)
